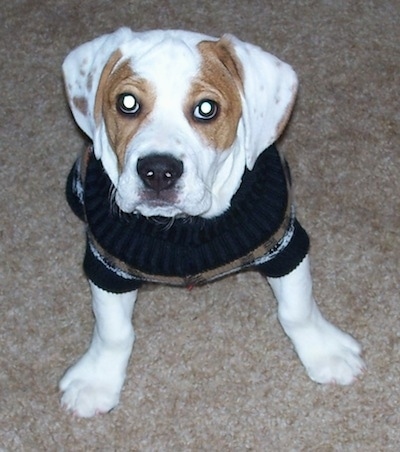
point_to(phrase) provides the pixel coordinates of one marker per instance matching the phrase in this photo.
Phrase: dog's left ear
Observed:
(82, 69)
(270, 87)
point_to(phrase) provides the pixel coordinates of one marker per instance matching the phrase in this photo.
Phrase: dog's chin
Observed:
(170, 204)
(159, 209)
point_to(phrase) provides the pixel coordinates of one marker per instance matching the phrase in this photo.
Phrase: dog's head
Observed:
(175, 116)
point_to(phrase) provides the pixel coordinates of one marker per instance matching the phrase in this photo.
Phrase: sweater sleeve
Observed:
(290, 257)
(105, 275)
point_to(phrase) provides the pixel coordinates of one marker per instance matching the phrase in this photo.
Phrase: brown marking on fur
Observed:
(221, 80)
(81, 104)
(98, 105)
(121, 128)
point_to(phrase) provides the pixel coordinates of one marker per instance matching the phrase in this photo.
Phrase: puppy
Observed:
(182, 185)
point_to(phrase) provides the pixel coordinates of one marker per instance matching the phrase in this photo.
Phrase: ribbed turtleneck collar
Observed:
(188, 246)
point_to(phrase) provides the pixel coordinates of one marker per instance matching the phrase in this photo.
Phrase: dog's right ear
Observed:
(82, 70)
(270, 87)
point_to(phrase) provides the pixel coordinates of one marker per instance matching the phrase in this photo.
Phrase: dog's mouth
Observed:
(155, 204)
(162, 198)
(152, 203)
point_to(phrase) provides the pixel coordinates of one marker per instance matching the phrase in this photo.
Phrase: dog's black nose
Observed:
(159, 172)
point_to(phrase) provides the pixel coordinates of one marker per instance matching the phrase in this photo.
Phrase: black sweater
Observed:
(259, 230)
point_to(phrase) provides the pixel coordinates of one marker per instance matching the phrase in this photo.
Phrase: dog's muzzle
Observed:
(159, 172)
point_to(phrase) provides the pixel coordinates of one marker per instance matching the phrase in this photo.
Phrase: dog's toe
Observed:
(88, 389)
(87, 400)
(337, 368)
(328, 354)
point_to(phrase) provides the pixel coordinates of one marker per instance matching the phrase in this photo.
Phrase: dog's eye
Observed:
(206, 109)
(128, 104)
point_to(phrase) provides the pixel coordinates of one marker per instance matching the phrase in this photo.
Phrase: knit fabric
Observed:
(124, 250)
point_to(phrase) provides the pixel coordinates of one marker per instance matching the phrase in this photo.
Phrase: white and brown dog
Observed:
(183, 185)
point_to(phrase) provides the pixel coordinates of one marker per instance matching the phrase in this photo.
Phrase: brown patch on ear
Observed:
(221, 80)
(121, 127)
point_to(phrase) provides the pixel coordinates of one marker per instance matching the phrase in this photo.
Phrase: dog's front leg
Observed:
(93, 384)
(328, 354)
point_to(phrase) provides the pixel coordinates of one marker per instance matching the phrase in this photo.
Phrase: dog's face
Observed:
(176, 116)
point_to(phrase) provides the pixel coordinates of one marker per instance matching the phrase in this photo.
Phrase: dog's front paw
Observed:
(88, 390)
(328, 354)
(87, 399)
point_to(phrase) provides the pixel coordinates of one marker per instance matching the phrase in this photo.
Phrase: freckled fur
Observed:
(285, 118)
(81, 104)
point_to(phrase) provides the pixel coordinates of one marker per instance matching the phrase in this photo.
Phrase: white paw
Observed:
(89, 389)
(328, 354)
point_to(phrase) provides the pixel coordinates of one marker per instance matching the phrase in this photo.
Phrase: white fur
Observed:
(210, 178)
(93, 385)
(328, 354)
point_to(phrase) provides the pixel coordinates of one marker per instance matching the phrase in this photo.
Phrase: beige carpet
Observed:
(211, 369)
